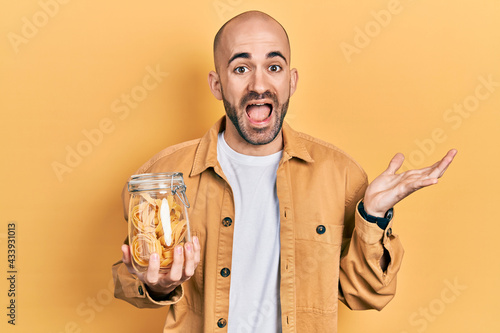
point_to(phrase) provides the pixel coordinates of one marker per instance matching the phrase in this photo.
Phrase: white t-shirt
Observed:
(254, 295)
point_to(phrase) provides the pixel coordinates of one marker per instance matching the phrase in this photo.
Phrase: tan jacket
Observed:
(317, 185)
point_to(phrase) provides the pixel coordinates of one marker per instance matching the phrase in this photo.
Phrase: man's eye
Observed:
(274, 68)
(241, 70)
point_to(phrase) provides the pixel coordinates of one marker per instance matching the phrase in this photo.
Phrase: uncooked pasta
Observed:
(156, 227)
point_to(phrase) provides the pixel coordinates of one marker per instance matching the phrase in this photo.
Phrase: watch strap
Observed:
(382, 222)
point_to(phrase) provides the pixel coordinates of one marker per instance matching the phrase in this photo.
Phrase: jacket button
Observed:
(320, 229)
(225, 272)
(227, 221)
(140, 290)
(221, 323)
(389, 232)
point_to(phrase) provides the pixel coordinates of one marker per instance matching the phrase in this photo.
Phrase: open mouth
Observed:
(259, 112)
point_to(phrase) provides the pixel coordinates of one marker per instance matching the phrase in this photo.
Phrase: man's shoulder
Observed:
(321, 150)
(179, 156)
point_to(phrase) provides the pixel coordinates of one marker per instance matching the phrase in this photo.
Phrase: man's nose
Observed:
(259, 82)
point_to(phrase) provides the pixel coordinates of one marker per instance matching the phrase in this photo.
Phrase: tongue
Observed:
(258, 113)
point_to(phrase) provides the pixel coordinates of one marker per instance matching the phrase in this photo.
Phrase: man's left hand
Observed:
(389, 188)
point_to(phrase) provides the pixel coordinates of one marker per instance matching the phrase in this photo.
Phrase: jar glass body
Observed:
(158, 218)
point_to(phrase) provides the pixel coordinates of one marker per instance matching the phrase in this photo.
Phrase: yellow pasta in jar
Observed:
(148, 234)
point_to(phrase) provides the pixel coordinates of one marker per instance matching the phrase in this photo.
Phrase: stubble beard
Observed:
(257, 136)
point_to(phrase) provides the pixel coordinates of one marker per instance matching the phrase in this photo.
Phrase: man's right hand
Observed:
(159, 284)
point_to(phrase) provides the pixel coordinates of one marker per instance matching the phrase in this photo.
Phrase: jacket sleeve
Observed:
(362, 283)
(130, 289)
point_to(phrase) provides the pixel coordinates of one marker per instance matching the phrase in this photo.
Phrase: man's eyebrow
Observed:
(276, 54)
(244, 55)
(247, 55)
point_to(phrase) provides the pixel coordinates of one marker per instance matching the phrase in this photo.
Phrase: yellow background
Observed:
(389, 93)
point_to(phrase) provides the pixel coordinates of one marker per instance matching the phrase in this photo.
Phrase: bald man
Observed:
(284, 224)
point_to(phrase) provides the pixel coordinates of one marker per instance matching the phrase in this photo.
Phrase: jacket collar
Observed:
(206, 153)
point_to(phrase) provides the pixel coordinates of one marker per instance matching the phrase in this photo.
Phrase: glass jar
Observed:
(158, 218)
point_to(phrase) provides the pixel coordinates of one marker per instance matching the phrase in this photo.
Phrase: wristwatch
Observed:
(382, 222)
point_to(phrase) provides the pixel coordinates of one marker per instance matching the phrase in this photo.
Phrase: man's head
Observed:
(254, 79)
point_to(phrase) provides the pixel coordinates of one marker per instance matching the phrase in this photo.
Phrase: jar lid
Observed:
(173, 181)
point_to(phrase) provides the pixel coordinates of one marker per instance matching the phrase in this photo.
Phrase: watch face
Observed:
(389, 214)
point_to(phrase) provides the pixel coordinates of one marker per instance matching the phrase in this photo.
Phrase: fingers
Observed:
(183, 266)
(126, 254)
(437, 169)
(152, 274)
(126, 258)
(197, 250)
(389, 188)
(395, 164)
(421, 183)
(443, 164)
(189, 255)
(192, 257)
(177, 264)
(160, 284)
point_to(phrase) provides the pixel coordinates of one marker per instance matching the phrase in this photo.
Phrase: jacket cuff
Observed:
(370, 232)
(172, 298)
(129, 288)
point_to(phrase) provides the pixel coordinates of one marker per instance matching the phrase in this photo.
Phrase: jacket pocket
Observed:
(317, 249)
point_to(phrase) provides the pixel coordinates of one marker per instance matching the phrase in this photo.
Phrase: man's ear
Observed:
(294, 78)
(215, 86)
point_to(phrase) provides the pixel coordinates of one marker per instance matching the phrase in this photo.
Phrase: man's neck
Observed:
(240, 145)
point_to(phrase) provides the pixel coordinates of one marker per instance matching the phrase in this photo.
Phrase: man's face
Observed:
(254, 78)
